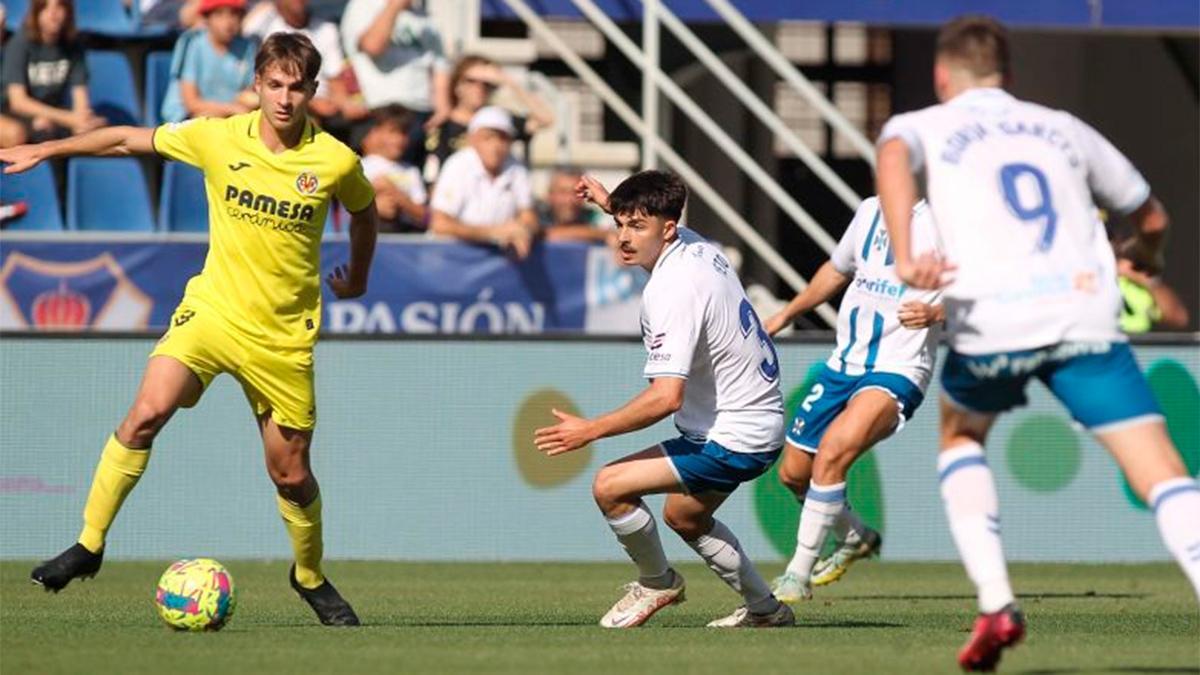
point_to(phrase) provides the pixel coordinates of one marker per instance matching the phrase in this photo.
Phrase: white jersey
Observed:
(697, 324)
(870, 337)
(1011, 186)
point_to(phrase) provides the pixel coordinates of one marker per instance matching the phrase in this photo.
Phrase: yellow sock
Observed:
(116, 474)
(304, 527)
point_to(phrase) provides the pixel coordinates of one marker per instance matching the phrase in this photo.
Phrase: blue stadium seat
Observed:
(158, 76)
(14, 13)
(111, 88)
(37, 189)
(107, 17)
(182, 205)
(107, 194)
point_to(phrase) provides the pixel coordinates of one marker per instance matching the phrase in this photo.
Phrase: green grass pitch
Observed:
(526, 618)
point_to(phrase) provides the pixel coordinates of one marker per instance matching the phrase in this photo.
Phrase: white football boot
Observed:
(790, 588)
(742, 618)
(640, 603)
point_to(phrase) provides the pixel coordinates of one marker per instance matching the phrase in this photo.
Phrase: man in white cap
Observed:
(482, 193)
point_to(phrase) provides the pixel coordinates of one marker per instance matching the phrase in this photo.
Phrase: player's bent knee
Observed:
(689, 526)
(292, 479)
(605, 489)
(143, 422)
(795, 481)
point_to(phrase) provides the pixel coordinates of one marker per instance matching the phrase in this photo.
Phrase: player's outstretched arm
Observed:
(350, 281)
(106, 142)
(824, 285)
(591, 190)
(897, 190)
(663, 397)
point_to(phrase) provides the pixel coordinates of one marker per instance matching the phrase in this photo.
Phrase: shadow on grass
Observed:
(552, 623)
(1024, 596)
(1165, 669)
(435, 623)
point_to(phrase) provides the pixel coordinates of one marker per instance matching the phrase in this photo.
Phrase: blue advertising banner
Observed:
(417, 286)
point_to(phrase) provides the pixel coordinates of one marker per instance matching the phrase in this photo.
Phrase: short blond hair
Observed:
(977, 43)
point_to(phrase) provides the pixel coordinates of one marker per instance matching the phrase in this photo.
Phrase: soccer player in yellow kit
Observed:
(253, 311)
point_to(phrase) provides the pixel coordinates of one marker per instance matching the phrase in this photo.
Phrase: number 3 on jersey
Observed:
(1015, 176)
(769, 368)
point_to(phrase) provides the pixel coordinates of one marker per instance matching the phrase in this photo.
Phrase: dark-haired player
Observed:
(711, 364)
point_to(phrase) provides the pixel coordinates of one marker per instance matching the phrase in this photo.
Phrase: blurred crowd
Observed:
(440, 153)
(438, 150)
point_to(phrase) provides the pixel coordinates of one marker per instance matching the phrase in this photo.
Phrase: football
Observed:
(196, 594)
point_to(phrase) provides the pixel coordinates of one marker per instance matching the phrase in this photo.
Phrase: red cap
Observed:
(207, 6)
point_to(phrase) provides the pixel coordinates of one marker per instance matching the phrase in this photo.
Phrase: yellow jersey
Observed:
(266, 216)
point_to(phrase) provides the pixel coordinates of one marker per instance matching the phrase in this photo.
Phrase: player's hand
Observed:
(21, 158)
(341, 285)
(916, 314)
(927, 271)
(1126, 268)
(589, 189)
(1145, 256)
(571, 433)
(776, 323)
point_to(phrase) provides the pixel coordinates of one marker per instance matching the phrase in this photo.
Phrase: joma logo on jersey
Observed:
(281, 208)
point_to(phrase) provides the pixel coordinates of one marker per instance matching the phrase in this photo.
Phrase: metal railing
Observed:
(705, 122)
(793, 77)
(755, 104)
(699, 186)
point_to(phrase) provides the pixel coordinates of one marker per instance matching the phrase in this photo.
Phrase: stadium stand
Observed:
(182, 206)
(107, 17)
(158, 77)
(37, 189)
(92, 184)
(14, 13)
(111, 88)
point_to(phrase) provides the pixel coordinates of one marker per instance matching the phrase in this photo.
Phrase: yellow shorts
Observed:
(279, 380)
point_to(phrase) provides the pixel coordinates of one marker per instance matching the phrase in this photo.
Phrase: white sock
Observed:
(969, 494)
(849, 528)
(822, 506)
(638, 533)
(724, 555)
(1176, 504)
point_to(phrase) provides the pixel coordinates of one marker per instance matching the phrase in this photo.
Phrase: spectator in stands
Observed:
(483, 193)
(44, 78)
(332, 103)
(12, 132)
(564, 217)
(399, 191)
(472, 84)
(398, 58)
(212, 68)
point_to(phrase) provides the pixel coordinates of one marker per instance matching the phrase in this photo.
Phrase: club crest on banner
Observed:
(70, 296)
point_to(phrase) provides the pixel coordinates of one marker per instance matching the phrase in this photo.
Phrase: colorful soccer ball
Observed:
(196, 594)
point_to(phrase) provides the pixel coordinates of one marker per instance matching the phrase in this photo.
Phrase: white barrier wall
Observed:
(423, 450)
